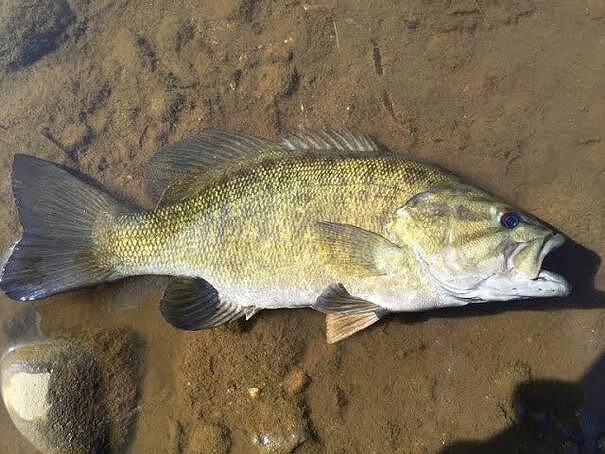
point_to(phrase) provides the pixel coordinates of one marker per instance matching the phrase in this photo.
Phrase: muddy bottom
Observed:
(510, 95)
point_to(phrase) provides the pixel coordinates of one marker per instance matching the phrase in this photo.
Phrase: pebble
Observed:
(295, 381)
(73, 396)
(254, 392)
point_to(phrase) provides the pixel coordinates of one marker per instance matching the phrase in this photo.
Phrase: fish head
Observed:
(476, 247)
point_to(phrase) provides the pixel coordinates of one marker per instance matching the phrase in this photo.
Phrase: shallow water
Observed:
(510, 95)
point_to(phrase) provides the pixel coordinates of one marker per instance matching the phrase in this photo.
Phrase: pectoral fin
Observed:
(194, 304)
(355, 251)
(345, 314)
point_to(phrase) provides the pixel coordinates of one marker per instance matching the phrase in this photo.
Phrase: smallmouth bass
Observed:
(323, 220)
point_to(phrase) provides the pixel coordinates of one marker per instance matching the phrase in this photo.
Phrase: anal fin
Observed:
(341, 326)
(346, 314)
(194, 304)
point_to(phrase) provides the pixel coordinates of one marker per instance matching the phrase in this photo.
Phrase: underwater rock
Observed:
(51, 392)
(29, 29)
(254, 392)
(279, 426)
(118, 350)
(281, 442)
(73, 396)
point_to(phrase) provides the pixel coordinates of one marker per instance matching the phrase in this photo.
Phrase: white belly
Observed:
(390, 297)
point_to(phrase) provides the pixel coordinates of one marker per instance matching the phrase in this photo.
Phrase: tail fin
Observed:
(58, 212)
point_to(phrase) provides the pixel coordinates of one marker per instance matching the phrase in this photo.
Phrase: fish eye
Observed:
(509, 220)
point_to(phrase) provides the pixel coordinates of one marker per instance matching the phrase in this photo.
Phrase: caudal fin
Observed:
(59, 212)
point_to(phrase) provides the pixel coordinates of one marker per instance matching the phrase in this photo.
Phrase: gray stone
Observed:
(51, 393)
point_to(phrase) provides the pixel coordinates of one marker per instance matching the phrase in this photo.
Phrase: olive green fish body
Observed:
(255, 232)
(327, 220)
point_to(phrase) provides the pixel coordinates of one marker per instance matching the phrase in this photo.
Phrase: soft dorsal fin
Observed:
(355, 251)
(199, 154)
(329, 140)
(193, 304)
(346, 314)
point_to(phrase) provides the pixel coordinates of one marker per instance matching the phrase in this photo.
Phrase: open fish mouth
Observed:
(516, 284)
(545, 282)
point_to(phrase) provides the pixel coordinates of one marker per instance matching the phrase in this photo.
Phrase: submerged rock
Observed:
(254, 392)
(279, 425)
(73, 396)
(51, 392)
(30, 29)
(281, 442)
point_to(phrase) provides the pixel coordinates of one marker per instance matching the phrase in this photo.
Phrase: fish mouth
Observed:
(546, 282)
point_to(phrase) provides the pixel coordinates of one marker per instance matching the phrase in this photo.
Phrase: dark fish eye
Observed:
(509, 220)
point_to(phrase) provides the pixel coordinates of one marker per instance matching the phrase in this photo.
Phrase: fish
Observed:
(327, 220)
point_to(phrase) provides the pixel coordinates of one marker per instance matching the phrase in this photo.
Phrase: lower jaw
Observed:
(523, 289)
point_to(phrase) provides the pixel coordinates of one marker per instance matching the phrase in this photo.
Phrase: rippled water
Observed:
(511, 95)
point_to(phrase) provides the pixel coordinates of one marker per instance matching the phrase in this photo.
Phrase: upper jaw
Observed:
(550, 244)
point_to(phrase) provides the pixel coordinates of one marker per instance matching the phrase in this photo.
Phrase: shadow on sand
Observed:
(551, 416)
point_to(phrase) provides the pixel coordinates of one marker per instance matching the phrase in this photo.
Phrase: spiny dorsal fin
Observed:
(199, 154)
(354, 250)
(329, 140)
(346, 314)
(194, 304)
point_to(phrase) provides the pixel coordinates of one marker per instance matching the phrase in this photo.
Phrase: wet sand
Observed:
(510, 95)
